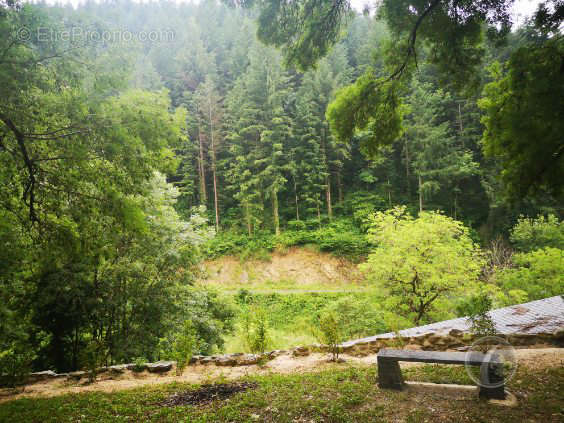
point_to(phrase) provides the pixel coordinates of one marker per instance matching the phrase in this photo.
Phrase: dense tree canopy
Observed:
(124, 160)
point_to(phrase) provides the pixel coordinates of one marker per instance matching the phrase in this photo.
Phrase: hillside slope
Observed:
(297, 268)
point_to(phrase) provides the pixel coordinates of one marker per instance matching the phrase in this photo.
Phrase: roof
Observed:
(541, 316)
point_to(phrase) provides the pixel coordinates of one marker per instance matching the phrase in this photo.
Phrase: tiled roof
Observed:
(541, 316)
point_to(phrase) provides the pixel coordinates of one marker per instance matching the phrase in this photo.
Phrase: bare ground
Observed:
(301, 267)
(530, 358)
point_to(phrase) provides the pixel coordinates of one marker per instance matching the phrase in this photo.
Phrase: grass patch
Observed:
(292, 318)
(341, 394)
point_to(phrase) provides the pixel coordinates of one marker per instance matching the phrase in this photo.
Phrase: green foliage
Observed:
(340, 238)
(531, 234)
(139, 364)
(370, 104)
(106, 178)
(521, 104)
(16, 357)
(92, 357)
(539, 273)
(184, 346)
(330, 333)
(357, 316)
(362, 204)
(302, 28)
(477, 309)
(256, 329)
(418, 262)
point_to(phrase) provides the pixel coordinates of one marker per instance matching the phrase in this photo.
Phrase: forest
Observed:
(139, 139)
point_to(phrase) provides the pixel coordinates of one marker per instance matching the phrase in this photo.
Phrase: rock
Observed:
(76, 375)
(300, 352)
(118, 368)
(195, 359)
(249, 359)
(558, 334)
(225, 361)
(44, 375)
(160, 366)
(276, 353)
(206, 360)
(412, 347)
(136, 367)
(455, 333)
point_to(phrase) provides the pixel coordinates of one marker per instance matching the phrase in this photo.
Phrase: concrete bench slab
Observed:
(491, 368)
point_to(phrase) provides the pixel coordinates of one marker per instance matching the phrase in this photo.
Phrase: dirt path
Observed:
(532, 358)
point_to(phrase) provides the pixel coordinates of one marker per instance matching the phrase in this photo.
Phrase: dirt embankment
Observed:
(298, 268)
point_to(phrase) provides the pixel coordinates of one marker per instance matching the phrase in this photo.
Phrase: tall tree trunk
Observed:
(460, 124)
(203, 194)
(275, 212)
(389, 194)
(407, 169)
(215, 202)
(455, 204)
(296, 195)
(339, 185)
(328, 196)
(248, 218)
(420, 194)
(327, 174)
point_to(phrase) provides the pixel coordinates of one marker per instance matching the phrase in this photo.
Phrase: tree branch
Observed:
(30, 187)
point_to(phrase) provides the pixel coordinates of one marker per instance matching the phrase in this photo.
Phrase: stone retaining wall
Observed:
(454, 340)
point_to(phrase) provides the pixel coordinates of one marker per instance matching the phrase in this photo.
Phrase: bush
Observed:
(15, 365)
(139, 364)
(212, 316)
(532, 234)
(358, 316)
(16, 349)
(93, 357)
(329, 333)
(184, 346)
(255, 328)
(538, 273)
(296, 225)
(342, 237)
(478, 308)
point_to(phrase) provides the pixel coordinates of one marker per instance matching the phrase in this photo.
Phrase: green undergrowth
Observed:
(340, 237)
(293, 319)
(341, 393)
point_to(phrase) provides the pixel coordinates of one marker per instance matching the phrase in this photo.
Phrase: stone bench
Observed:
(491, 368)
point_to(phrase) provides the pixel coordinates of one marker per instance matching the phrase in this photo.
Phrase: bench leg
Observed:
(492, 374)
(389, 374)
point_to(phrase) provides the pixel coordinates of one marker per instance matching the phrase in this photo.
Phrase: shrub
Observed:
(329, 333)
(538, 273)
(92, 357)
(255, 328)
(478, 308)
(15, 364)
(139, 364)
(296, 225)
(532, 234)
(358, 316)
(184, 346)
